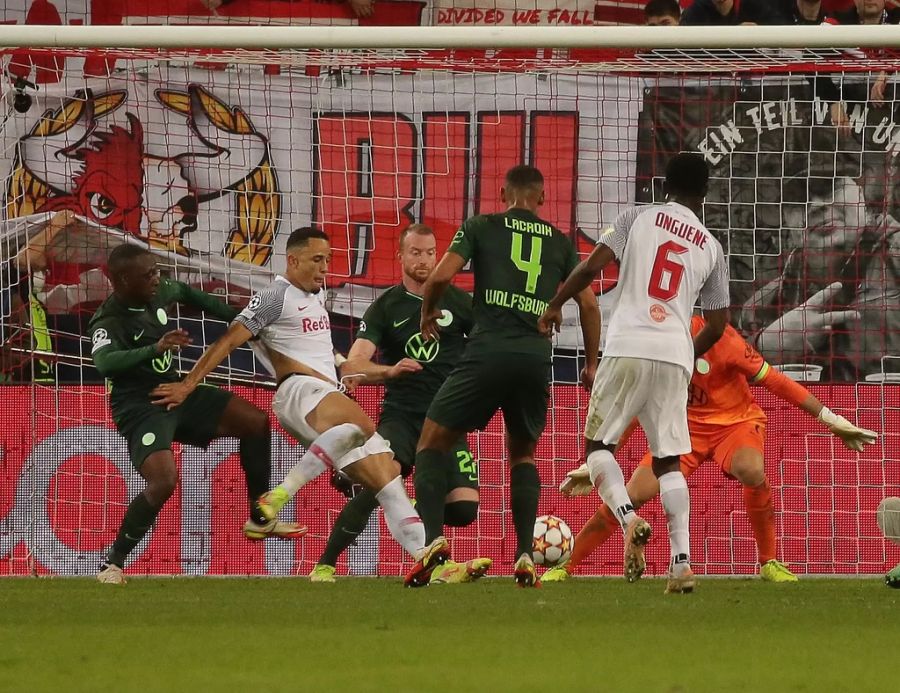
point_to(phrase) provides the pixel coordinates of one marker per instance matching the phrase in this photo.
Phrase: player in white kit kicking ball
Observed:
(667, 260)
(291, 322)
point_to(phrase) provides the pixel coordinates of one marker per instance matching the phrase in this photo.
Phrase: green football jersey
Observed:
(519, 262)
(124, 340)
(392, 324)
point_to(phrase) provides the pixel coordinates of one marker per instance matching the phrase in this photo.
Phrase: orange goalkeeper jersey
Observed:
(719, 392)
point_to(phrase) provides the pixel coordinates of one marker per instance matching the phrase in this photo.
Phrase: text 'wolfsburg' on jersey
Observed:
(519, 261)
(667, 259)
(124, 341)
(294, 323)
(392, 324)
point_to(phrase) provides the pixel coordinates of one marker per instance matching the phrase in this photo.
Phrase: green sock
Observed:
(524, 492)
(137, 522)
(431, 484)
(256, 461)
(349, 525)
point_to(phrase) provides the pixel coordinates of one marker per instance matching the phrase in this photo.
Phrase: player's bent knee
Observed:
(460, 513)
(748, 472)
(160, 488)
(374, 445)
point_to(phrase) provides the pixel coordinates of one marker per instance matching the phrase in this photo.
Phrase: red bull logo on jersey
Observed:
(321, 324)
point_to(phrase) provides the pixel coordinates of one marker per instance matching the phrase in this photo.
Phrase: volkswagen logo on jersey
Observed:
(163, 362)
(422, 350)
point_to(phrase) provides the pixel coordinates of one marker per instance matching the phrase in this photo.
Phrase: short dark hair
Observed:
(687, 174)
(300, 237)
(662, 8)
(121, 256)
(524, 176)
(417, 229)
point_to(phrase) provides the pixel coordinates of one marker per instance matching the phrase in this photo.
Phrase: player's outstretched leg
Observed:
(378, 472)
(607, 478)
(161, 474)
(349, 525)
(250, 425)
(333, 444)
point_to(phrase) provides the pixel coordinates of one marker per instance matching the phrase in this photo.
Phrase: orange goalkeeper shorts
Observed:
(718, 443)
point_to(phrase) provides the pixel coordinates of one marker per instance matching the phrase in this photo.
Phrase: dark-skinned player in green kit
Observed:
(519, 261)
(132, 347)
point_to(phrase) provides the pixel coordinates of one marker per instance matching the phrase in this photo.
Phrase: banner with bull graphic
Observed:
(213, 172)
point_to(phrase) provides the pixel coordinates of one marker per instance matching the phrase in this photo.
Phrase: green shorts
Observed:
(517, 384)
(149, 428)
(403, 431)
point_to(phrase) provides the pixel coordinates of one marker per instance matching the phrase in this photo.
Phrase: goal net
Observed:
(210, 155)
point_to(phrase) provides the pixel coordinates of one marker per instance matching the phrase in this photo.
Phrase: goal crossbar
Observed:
(424, 38)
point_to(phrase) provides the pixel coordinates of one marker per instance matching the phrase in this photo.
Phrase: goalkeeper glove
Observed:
(853, 437)
(577, 483)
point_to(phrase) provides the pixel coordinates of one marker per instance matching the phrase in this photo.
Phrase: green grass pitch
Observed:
(267, 635)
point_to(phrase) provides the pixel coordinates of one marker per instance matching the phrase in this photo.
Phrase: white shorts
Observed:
(295, 398)
(655, 392)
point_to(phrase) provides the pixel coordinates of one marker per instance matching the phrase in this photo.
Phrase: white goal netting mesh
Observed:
(211, 158)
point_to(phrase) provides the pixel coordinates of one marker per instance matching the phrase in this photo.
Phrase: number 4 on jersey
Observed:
(667, 271)
(531, 266)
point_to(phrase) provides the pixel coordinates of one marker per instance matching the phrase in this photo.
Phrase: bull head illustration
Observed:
(109, 176)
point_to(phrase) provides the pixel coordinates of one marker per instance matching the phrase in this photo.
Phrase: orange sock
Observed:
(758, 502)
(597, 530)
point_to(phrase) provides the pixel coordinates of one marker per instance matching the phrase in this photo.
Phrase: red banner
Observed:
(65, 480)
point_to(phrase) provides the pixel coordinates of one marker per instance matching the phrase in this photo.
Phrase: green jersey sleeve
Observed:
(208, 303)
(373, 325)
(463, 243)
(110, 354)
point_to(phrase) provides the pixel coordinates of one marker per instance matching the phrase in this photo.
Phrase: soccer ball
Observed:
(553, 541)
(888, 517)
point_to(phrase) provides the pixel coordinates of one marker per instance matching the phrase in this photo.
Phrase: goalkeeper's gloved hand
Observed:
(577, 483)
(853, 437)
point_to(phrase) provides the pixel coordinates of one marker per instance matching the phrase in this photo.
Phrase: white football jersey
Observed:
(294, 323)
(667, 259)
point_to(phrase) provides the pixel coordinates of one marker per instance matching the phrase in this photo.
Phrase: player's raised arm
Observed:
(204, 301)
(714, 299)
(589, 316)
(360, 362)
(436, 285)
(112, 357)
(577, 282)
(171, 395)
(264, 308)
(759, 372)
(853, 437)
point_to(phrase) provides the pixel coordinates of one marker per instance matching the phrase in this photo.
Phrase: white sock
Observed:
(607, 478)
(402, 519)
(676, 501)
(329, 446)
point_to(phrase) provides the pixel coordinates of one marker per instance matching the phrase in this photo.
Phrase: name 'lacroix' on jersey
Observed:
(668, 259)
